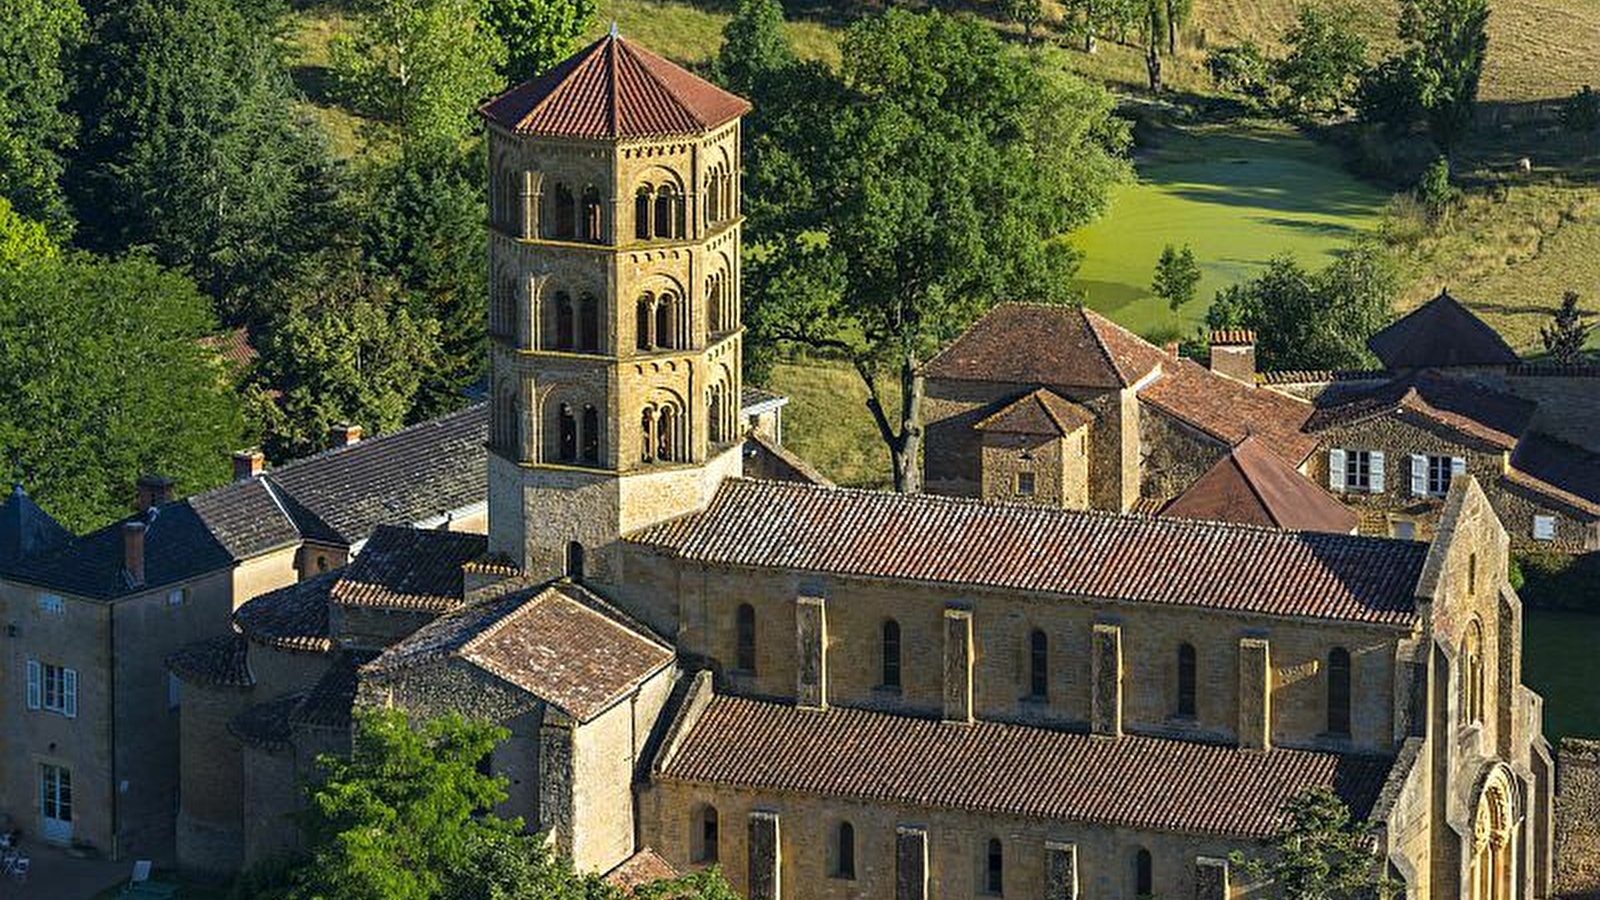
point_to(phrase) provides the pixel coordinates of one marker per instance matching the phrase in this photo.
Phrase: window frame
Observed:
(1339, 698)
(844, 851)
(1358, 471)
(1026, 484)
(51, 688)
(1038, 665)
(994, 868)
(1549, 529)
(891, 669)
(1188, 687)
(744, 646)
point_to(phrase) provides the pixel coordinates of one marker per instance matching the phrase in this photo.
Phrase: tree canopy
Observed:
(1320, 853)
(1435, 78)
(537, 33)
(895, 203)
(38, 39)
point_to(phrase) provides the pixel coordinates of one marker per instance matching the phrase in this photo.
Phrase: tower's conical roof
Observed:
(614, 89)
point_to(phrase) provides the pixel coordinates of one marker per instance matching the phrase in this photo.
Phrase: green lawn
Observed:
(827, 422)
(1558, 661)
(1237, 197)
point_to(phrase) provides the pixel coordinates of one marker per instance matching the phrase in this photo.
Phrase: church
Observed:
(831, 692)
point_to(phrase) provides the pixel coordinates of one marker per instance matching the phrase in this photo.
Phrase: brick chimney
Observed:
(133, 552)
(151, 490)
(1233, 353)
(247, 464)
(345, 435)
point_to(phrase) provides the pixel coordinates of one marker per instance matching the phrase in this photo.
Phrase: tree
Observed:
(345, 349)
(192, 146)
(537, 34)
(37, 40)
(1177, 276)
(1151, 18)
(1580, 113)
(754, 47)
(1434, 189)
(1326, 54)
(1566, 334)
(1312, 320)
(949, 165)
(419, 66)
(1451, 38)
(1242, 69)
(1177, 15)
(104, 377)
(1320, 853)
(1026, 13)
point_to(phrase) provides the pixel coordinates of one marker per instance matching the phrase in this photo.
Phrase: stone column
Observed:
(1210, 878)
(555, 783)
(910, 863)
(765, 856)
(1255, 694)
(1105, 665)
(529, 197)
(811, 638)
(957, 665)
(1060, 871)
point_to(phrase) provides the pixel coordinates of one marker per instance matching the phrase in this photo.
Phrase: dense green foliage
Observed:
(1243, 69)
(1580, 113)
(1326, 56)
(1566, 334)
(537, 33)
(1434, 80)
(37, 41)
(103, 378)
(1312, 320)
(892, 204)
(1320, 853)
(1177, 276)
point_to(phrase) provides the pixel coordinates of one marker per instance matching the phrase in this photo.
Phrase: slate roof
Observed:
(1440, 332)
(560, 643)
(1230, 411)
(328, 703)
(218, 661)
(294, 617)
(995, 768)
(1549, 464)
(26, 530)
(1254, 485)
(266, 725)
(1049, 345)
(753, 397)
(614, 89)
(1040, 412)
(1457, 403)
(408, 568)
(1024, 547)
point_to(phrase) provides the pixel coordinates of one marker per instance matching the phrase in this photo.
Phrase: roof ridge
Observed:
(1089, 321)
(649, 72)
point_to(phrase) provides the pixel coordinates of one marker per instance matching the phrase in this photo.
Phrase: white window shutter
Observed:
(1419, 475)
(33, 684)
(1458, 466)
(1377, 471)
(69, 693)
(1544, 528)
(1336, 469)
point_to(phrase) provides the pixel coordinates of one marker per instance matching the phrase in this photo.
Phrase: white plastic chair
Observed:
(141, 872)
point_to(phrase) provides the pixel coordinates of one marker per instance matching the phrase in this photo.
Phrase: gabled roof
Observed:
(1069, 553)
(1440, 332)
(559, 643)
(1551, 462)
(1461, 404)
(1228, 410)
(767, 459)
(1046, 345)
(614, 89)
(1145, 783)
(1253, 485)
(408, 568)
(26, 530)
(1040, 412)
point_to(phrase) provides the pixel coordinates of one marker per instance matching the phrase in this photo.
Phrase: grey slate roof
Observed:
(26, 530)
(1440, 332)
(293, 617)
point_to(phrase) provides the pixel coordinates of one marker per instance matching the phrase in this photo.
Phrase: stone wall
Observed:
(1059, 467)
(1174, 453)
(1578, 820)
(210, 826)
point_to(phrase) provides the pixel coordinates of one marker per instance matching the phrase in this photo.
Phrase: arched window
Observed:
(647, 431)
(566, 324)
(714, 413)
(1339, 691)
(666, 212)
(1143, 877)
(1472, 681)
(591, 214)
(666, 322)
(745, 638)
(574, 560)
(667, 434)
(1472, 574)
(713, 196)
(844, 851)
(705, 837)
(588, 324)
(1186, 680)
(891, 654)
(994, 868)
(566, 219)
(645, 323)
(568, 450)
(641, 214)
(591, 435)
(1038, 665)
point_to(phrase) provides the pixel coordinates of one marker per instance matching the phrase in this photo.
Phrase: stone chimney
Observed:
(133, 552)
(1171, 348)
(1233, 353)
(344, 435)
(247, 464)
(151, 490)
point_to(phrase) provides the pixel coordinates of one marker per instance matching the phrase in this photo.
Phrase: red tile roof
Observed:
(990, 767)
(954, 541)
(1253, 485)
(1230, 411)
(218, 661)
(644, 867)
(1440, 332)
(614, 89)
(294, 617)
(1039, 344)
(1458, 403)
(1041, 412)
(409, 568)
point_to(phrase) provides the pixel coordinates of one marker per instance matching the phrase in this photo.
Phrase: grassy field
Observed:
(1238, 196)
(827, 422)
(1558, 661)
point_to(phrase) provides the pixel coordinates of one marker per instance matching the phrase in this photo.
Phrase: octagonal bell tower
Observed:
(614, 327)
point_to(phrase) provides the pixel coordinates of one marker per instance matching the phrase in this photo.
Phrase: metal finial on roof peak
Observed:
(614, 28)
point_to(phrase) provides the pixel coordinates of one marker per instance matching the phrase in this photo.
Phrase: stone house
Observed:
(1253, 485)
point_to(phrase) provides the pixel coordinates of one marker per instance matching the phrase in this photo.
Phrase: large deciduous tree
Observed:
(1326, 56)
(1450, 39)
(537, 33)
(37, 41)
(1321, 852)
(895, 204)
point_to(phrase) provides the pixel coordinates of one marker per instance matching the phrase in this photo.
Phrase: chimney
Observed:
(133, 552)
(247, 464)
(151, 490)
(1171, 349)
(1233, 353)
(345, 435)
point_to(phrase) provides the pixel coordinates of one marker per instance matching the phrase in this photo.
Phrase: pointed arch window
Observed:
(1038, 665)
(1472, 678)
(745, 638)
(1186, 680)
(591, 435)
(891, 654)
(568, 435)
(1339, 691)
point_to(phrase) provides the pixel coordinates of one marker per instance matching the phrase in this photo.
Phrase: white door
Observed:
(55, 803)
